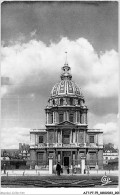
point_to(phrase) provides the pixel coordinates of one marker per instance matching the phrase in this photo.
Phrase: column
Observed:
(56, 136)
(76, 162)
(100, 158)
(82, 165)
(79, 117)
(36, 139)
(84, 136)
(67, 116)
(47, 139)
(78, 158)
(46, 157)
(71, 160)
(61, 136)
(50, 165)
(71, 136)
(64, 117)
(53, 117)
(76, 116)
(58, 156)
(33, 158)
(75, 135)
(57, 117)
(73, 157)
(61, 157)
(47, 117)
(84, 118)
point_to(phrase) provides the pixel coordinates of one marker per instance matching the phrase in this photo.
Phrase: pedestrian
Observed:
(68, 170)
(36, 168)
(58, 169)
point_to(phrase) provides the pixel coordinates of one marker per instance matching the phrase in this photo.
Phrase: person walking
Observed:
(68, 171)
(58, 169)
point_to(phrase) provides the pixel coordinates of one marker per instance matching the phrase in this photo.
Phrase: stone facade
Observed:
(66, 137)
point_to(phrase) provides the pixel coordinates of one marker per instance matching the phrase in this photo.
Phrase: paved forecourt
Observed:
(46, 173)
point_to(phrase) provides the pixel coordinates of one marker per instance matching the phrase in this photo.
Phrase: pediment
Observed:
(66, 123)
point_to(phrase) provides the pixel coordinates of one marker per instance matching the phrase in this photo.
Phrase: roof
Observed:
(110, 149)
(66, 87)
(10, 151)
(115, 160)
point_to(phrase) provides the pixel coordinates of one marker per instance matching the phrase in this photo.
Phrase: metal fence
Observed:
(30, 164)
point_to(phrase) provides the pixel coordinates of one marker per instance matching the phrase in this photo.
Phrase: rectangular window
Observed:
(82, 154)
(51, 154)
(92, 139)
(40, 139)
(66, 139)
(71, 118)
(60, 118)
(93, 158)
(71, 101)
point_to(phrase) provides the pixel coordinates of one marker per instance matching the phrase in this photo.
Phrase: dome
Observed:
(66, 87)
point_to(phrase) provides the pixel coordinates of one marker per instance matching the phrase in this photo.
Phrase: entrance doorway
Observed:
(66, 161)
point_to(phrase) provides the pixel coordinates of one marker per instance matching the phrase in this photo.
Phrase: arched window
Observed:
(71, 118)
(71, 101)
(60, 118)
(53, 102)
(78, 102)
(61, 102)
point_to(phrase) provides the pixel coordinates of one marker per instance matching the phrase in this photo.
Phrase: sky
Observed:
(35, 36)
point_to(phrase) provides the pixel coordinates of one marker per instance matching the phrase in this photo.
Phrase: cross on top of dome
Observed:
(66, 59)
(66, 68)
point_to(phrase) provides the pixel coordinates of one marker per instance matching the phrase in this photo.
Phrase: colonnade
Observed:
(78, 117)
(73, 136)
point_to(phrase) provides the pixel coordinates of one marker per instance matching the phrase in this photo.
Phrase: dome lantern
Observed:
(66, 68)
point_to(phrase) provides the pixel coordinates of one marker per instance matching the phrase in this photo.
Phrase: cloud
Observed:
(105, 76)
(110, 132)
(35, 63)
(34, 67)
(19, 135)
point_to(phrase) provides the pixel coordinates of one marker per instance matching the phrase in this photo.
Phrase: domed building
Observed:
(66, 137)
